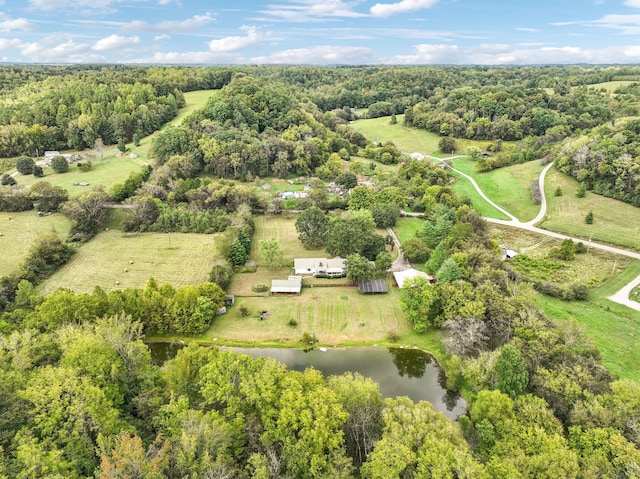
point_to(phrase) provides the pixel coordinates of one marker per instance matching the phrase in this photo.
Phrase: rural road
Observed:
(400, 264)
(621, 297)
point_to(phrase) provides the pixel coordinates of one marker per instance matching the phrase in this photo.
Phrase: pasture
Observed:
(20, 230)
(509, 187)
(611, 86)
(614, 222)
(174, 258)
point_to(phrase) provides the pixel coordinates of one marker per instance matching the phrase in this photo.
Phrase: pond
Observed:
(398, 371)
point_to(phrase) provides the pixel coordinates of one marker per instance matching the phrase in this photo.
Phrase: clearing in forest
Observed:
(19, 232)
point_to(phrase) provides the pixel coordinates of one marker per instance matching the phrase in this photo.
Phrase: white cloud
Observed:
(8, 43)
(321, 55)
(60, 4)
(625, 24)
(234, 43)
(311, 10)
(10, 24)
(430, 54)
(59, 48)
(114, 42)
(388, 9)
(170, 26)
(164, 36)
(632, 3)
(528, 30)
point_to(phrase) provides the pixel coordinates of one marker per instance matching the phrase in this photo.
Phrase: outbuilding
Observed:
(292, 285)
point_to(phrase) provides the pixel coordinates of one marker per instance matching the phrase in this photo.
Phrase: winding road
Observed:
(621, 297)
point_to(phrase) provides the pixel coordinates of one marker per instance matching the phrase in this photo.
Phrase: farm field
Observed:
(19, 231)
(336, 315)
(614, 222)
(611, 86)
(175, 258)
(508, 187)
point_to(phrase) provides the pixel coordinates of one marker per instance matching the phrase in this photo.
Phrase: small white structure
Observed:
(417, 156)
(332, 268)
(287, 195)
(133, 156)
(402, 276)
(293, 285)
(507, 253)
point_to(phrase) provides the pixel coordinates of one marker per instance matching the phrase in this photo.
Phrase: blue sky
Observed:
(320, 31)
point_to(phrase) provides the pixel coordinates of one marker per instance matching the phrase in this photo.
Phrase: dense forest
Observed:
(79, 394)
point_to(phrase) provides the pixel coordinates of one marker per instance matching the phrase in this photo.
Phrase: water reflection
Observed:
(398, 371)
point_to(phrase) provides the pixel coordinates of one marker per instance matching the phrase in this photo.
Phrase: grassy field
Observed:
(593, 269)
(283, 229)
(19, 230)
(617, 336)
(174, 258)
(508, 187)
(406, 228)
(336, 315)
(614, 221)
(611, 86)
(408, 140)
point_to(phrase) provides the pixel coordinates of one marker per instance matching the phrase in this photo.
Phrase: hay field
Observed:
(174, 258)
(20, 230)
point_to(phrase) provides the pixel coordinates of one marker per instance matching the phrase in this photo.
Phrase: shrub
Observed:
(292, 323)
(582, 190)
(580, 248)
(558, 192)
(7, 180)
(536, 195)
(244, 311)
(392, 336)
(38, 172)
(25, 165)
(220, 275)
(59, 164)
(260, 288)
(589, 218)
(86, 166)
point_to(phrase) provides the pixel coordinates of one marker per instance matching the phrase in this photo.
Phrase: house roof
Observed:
(373, 286)
(402, 276)
(291, 285)
(335, 264)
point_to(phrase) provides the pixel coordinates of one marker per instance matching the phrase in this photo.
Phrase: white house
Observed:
(332, 268)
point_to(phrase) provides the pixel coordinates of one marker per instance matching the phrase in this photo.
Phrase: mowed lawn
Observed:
(509, 187)
(408, 140)
(336, 315)
(174, 258)
(614, 222)
(20, 231)
(283, 229)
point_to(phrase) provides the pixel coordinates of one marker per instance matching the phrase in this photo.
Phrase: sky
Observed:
(320, 32)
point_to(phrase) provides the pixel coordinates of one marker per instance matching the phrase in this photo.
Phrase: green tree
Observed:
(271, 252)
(361, 197)
(448, 272)
(88, 210)
(25, 165)
(38, 172)
(385, 215)
(350, 233)
(220, 275)
(421, 301)
(438, 256)
(512, 377)
(238, 255)
(589, 218)
(347, 180)
(59, 164)
(383, 261)
(415, 250)
(47, 196)
(581, 192)
(474, 152)
(447, 145)
(358, 268)
(124, 455)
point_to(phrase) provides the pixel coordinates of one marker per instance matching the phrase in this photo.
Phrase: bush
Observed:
(38, 172)
(589, 218)
(59, 164)
(292, 323)
(25, 165)
(86, 166)
(558, 192)
(221, 276)
(8, 180)
(392, 336)
(260, 288)
(580, 248)
(244, 311)
(582, 190)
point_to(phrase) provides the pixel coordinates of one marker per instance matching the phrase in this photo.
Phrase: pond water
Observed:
(398, 371)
